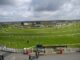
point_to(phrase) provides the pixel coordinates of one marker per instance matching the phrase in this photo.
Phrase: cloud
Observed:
(5, 2)
(14, 2)
(47, 5)
(20, 8)
(14, 10)
(69, 9)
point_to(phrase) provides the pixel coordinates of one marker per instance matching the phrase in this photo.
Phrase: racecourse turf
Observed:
(15, 37)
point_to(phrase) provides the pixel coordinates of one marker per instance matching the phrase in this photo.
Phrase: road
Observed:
(72, 56)
(69, 56)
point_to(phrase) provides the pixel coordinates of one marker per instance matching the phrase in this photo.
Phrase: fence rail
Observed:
(50, 50)
(3, 48)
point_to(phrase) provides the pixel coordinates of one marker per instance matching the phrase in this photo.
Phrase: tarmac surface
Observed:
(70, 56)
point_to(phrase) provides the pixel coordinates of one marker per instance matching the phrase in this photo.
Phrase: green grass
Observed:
(17, 37)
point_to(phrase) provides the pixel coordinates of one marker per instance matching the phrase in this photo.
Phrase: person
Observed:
(37, 54)
(30, 57)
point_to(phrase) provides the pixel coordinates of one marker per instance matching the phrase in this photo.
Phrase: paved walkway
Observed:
(72, 56)
(69, 56)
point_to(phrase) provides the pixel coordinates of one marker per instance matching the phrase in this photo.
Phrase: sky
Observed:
(30, 10)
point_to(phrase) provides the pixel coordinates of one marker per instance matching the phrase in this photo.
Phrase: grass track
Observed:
(17, 38)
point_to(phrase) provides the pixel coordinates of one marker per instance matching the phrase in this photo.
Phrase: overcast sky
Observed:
(26, 10)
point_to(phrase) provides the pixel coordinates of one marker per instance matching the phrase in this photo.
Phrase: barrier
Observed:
(13, 50)
(46, 50)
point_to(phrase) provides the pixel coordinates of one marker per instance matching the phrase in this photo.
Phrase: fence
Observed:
(47, 50)
(13, 50)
